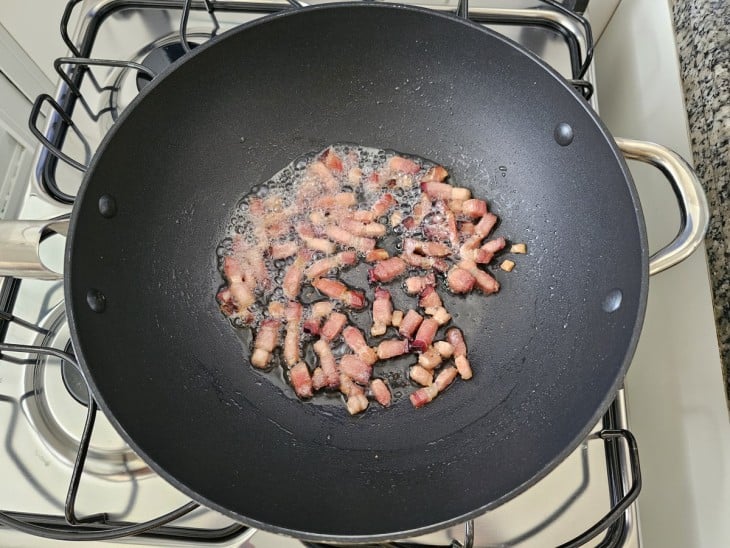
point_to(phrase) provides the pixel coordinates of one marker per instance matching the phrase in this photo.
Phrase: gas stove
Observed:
(67, 474)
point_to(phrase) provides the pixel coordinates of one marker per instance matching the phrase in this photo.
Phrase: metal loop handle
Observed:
(628, 498)
(53, 149)
(20, 247)
(693, 208)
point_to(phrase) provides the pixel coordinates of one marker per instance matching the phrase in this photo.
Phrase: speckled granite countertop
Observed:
(703, 40)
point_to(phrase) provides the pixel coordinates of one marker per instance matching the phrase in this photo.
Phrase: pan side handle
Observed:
(20, 247)
(691, 198)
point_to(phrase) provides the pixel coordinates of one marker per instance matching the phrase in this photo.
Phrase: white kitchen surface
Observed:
(675, 393)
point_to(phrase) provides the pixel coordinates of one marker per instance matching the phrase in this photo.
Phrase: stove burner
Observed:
(159, 58)
(73, 380)
(56, 406)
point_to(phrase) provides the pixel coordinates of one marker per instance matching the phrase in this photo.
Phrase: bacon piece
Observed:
(421, 210)
(308, 236)
(357, 404)
(429, 249)
(343, 237)
(291, 338)
(485, 225)
(422, 376)
(354, 175)
(348, 387)
(356, 400)
(410, 324)
(459, 280)
(266, 340)
(425, 334)
(398, 163)
(324, 175)
(333, 326)
(292, 283)
(416, 284)
(365, 216)
(438, 313)
(474, 208)
(376, 255)
(327, 363)
(239, 287)
(466, 229)
(319, 310)
(276, 309)
(429, 298)
(355, 368)
(341, 199)
(483, 279)
(324, 266)
(456, 338)
(430, 359)
(337, 290)
(380, 391)
(493, 246)
(435, 174)
(424, 395)
(457, 206)
(382, 205)
(446, 349)
(332, 160)
(319, 379)
(426, 263)
(396, 219)
(445, 377)
(387, 270)
(358, 228)
(283, 250)
(301, 380)
(391, 348)
(225, 301)
(444, 191)
(356, 341)
(396, 318)
(382, 312)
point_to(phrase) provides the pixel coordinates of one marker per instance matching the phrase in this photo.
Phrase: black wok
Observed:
(549, 351)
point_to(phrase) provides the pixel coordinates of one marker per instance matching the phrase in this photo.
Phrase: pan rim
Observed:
(304, 535)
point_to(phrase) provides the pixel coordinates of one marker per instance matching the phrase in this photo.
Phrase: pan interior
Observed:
(547, 354)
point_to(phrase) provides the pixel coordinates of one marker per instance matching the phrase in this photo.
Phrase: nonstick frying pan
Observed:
(549, 351)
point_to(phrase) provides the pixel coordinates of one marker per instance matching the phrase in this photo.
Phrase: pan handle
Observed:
(693, 208)
(20, 247)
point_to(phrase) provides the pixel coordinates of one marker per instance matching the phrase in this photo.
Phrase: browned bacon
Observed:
(387, 270)
(335, 289)
(382, 312)
(356, 341)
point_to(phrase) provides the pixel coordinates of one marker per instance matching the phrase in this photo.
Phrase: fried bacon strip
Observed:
(387, 270)
(356, 341)
(382, 312)
(335, 289)
(291, 338)
(332, 327)
(327, 363)
(326, 265)
(380, 391)
(355, 368)
(456, 338)
(266, 340)
(391, 348)
(301, 380)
